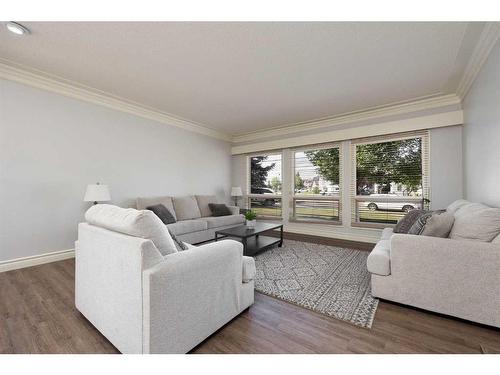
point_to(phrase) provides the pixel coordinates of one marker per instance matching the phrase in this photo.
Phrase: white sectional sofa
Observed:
(143, 295)
(195, 222)
(457, 276)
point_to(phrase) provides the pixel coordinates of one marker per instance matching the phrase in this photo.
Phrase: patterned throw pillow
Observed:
(419, 225)
(406, 222)
(181, 246)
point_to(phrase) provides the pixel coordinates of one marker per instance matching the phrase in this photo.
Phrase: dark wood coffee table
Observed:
(251, 238)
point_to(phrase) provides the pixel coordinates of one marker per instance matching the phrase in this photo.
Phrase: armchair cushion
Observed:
(143, 224)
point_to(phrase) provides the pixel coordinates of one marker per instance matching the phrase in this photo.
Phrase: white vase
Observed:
(251, 223)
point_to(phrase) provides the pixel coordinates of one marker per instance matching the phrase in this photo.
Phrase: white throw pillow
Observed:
(137, 223)
(476, 222)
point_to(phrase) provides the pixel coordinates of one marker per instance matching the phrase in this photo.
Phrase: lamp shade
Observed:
(97, 193)
(236, 192)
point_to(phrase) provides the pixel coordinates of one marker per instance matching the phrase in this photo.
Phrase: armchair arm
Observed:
(190, 295)
(235, 210)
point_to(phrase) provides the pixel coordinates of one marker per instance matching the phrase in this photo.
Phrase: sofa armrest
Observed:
(190, 295)
(235, 210)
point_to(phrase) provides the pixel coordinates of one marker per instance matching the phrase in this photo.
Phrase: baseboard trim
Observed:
(35, 260)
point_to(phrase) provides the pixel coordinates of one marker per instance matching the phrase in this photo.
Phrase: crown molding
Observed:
(374, 129)
(486, 42)
(350, 117)
(41, 80)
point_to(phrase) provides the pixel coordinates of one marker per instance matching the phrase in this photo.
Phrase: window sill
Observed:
(371, 225)
(311, 221)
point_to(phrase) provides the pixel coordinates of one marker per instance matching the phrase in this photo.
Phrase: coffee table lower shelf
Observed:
(253, 239)
(259, 243)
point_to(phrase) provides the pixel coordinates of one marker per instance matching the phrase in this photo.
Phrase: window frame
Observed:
(335, 197)
(249, 195)
(424, 135)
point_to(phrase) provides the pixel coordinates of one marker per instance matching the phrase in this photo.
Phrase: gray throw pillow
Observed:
(406, 222)
(163, 213)
(439, 225)
(219, 209)
(180, 246)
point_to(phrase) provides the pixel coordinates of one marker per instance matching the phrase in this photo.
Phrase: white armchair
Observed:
(144, 302)
(457, 276)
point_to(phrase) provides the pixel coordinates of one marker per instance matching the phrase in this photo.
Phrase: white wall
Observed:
(446, 167)
(482, 134)
(52, 146)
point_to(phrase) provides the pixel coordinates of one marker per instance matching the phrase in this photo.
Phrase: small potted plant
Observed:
(250, 216)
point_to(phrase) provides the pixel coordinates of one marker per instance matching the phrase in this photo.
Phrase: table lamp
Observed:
(236, 192)
(97, 193)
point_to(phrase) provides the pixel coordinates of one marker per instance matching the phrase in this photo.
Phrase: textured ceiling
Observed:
(242, 77)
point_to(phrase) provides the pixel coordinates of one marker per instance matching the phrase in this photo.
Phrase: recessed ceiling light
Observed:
(17, 28)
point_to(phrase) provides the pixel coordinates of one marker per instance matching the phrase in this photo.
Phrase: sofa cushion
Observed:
(386, 233)
(186, 208)
(248, 269)
(379, 261)
(476, 222)
(439, 225)
(458, 204)
(221, 221)
(203, 202)
(187, 226)
(142, 203)
(137, 223)
(163, 213)
(405, 223)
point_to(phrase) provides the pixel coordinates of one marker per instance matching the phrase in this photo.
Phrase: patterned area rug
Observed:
(329, 280)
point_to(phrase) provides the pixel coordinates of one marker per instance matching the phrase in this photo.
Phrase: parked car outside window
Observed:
(389, 204)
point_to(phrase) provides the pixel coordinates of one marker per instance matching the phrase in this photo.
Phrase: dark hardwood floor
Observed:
(37, 315)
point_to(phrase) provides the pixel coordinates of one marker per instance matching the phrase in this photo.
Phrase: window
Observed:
(390, 177)
(316, 180)
(265, 185)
